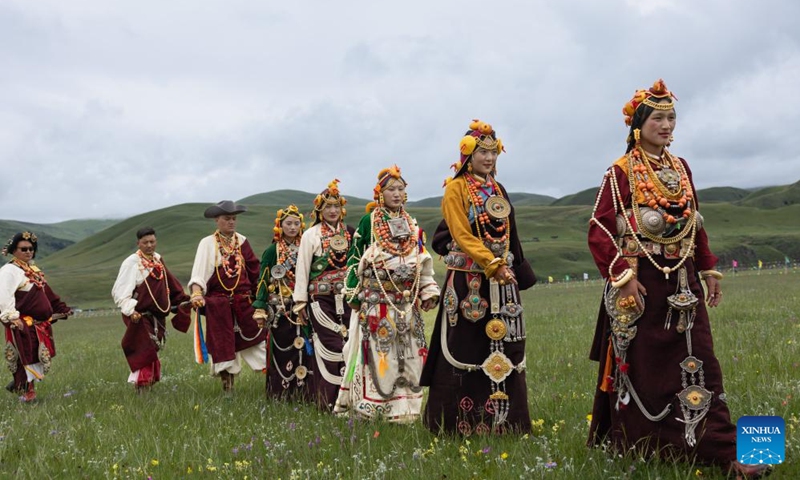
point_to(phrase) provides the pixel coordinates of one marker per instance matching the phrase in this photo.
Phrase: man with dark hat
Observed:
(223, 282)
(27, 308)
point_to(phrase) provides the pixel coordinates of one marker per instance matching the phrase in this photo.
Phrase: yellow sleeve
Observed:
(455, 207)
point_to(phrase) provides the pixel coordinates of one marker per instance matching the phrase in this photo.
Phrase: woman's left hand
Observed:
(714, 291)
(428, 304)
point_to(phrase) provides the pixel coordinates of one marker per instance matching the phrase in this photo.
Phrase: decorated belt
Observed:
(400, 273)
(631, 248)
(462, 262)
(376, 296)
(328, 283)
(387, 285)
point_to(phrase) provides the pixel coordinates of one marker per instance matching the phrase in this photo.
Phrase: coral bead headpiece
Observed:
(385, 177)
(650, 98)
(479, 135)
(281, 215)
(329, 196)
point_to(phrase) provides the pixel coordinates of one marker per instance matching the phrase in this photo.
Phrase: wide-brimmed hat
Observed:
(225, 207)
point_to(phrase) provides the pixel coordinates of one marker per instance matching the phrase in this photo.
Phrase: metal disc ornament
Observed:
(299, 342)
(278, 272)
(496, 329)
(301, 372)
(338, 243)
(497, 208)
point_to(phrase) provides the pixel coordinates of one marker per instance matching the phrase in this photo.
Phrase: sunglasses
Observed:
(25, 249)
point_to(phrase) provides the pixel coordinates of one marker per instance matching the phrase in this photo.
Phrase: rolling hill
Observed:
(54, 236)
(553, 238)
(303, 200)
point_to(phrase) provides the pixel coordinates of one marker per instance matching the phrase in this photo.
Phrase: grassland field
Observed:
(89, 423)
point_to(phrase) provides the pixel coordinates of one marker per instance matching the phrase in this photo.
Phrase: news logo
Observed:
(761, 440)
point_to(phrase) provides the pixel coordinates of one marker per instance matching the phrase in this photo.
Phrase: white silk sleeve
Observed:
(305, 255)
(11, 279)
(128, 279)
(204, 265)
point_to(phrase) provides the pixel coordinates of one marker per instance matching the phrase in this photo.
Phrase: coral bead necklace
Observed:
(481, 217)
(327, 232)
(382, 232)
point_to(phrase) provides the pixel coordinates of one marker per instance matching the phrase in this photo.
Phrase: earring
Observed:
(380, 198)
(469, 167)
(405, 198)
(637, 135)
(671, 139)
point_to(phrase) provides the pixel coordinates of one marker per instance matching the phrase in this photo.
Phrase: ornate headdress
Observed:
(280, 216)
(479, 135)
(385, 176)
(328, 196)
(11, 244)
(649, 97)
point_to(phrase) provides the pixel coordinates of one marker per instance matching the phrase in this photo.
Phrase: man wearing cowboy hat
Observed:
(223, 282)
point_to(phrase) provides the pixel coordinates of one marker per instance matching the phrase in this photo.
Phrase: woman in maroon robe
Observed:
(146, 293)
(476, 363)
(659, 387)
(28, 307)
(223, 284)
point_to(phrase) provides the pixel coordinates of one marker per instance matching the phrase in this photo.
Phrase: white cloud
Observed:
(116, 108)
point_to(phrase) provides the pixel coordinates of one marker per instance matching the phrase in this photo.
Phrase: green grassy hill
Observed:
(303, 200)
(722, 194)
(54, 236)
(774, 197)
(519, 199)
(554, 239)
(584, 197)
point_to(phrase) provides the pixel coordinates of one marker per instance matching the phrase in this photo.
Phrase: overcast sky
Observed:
(110, 108)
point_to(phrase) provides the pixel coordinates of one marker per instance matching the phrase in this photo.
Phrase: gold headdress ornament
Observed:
(328, 196)
(385, 176)
(479, 135)
(13, 241)
(280, 216)
(645, 97)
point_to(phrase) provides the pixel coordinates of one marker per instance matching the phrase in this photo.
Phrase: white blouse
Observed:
(131, 274)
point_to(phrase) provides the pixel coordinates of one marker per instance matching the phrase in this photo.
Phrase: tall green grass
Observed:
(89, 423)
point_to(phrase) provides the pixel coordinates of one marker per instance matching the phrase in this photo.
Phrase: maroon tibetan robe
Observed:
(39, 303)
(225, 309)
(138, 345)
(655, 354)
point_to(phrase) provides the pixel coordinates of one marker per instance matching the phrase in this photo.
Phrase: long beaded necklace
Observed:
(34, 275)
(227, 248)
(382, 232)
(287, 255)
(156, 270)
(481, 217)
(327, 233)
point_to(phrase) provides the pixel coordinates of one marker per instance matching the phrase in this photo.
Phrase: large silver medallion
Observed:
(338, 243)
(399, 228)
(278, 272)
(670, 178)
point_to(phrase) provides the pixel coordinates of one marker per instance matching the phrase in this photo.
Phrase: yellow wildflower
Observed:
(504, 455)
(154, 462)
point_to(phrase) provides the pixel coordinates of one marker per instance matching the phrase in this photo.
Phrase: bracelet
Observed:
(711, 273)
(623, 279)
(197, 295)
